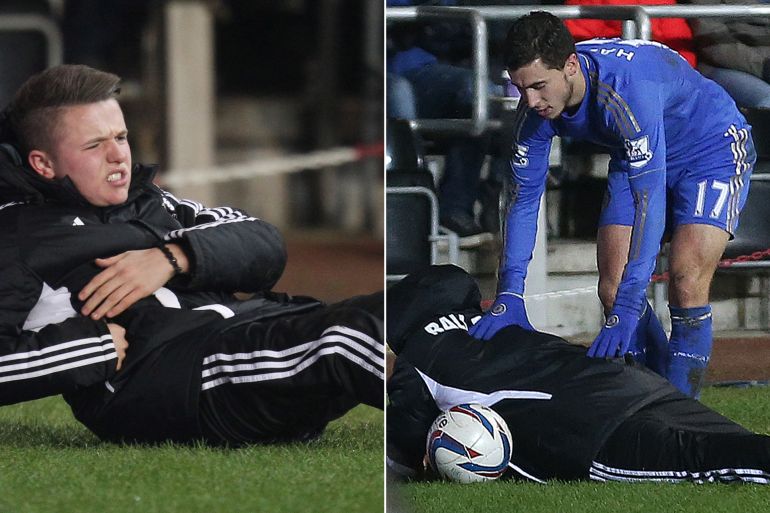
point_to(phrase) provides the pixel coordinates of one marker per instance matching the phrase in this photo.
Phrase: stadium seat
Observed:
(412, 221)
(30, 41)
(403, 147)
(753, 232)
(413, 232)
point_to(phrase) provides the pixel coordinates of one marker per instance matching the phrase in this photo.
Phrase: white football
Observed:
(469, 443)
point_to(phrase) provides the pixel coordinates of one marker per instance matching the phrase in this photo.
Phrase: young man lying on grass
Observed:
(119, 296)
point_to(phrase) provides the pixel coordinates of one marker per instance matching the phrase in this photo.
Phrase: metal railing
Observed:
(637, 24)
(46, 27)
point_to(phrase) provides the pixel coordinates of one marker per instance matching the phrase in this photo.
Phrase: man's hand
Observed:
(507, 309)
(127, 278)
(615, 337)
(118, 333)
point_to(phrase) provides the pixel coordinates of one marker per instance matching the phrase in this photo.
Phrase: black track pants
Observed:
(682, 441)
(285, 379)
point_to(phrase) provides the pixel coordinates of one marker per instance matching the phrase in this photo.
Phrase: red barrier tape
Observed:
(370, 150)
(727, 262)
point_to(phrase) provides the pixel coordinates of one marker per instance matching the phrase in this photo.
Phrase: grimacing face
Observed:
(546, 90)
(91, 147)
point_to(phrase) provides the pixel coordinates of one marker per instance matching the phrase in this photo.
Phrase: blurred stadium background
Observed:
(289, 93)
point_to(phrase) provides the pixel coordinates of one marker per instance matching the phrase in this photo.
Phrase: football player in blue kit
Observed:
(681, 156)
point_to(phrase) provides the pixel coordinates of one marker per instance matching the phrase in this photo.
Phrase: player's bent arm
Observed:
(58, 359)
(46, 350)
(640, 127)
(614, 338)
(650, 202)
(519, 235)
(227, 248)
(529, 169)
(641, 132)
(645, 162)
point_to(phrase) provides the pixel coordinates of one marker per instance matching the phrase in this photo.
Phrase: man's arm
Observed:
(56, 358)
(529, 166)
(228, 249)
(129, 277)
(644, 159)
(221, 249)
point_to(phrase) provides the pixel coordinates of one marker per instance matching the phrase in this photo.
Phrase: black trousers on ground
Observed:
(250, 378)
(682, 441)
(286, 379)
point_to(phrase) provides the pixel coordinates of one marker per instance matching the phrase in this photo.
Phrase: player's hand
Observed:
(127, 278)
(615, 336)
(507, 309)
(118, 333)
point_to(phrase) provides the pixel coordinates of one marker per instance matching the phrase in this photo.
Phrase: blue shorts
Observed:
(710, 189)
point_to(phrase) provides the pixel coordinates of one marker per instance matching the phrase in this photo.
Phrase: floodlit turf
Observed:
(749, 406)
(50, 463)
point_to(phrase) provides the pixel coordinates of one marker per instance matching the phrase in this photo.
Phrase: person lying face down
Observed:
(571, 417)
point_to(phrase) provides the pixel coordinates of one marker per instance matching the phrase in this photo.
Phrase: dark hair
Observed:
(538, 35)
(33, 113)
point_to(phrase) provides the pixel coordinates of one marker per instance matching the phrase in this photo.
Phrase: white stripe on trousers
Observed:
(738, 148)
(341, 337)
(601, 472)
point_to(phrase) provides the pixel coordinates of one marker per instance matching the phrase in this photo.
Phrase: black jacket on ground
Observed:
(560, 405)
(49, 238)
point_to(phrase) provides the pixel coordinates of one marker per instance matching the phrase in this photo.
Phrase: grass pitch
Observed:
(748, 406)
(49, 462)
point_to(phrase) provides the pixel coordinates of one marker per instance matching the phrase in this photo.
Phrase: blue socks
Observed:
(684, 359)
(690, 348)
(657, 345)
(649, 343)
(637, 348)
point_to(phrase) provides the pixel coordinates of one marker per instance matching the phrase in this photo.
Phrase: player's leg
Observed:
(678, 439)
(706, 201)
(695, 253)
(612, 246)
(285, 379)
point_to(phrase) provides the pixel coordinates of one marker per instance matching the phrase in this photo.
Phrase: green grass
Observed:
(750, 407)
(50, 463)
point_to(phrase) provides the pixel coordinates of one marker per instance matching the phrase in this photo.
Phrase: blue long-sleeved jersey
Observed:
(653, 112)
